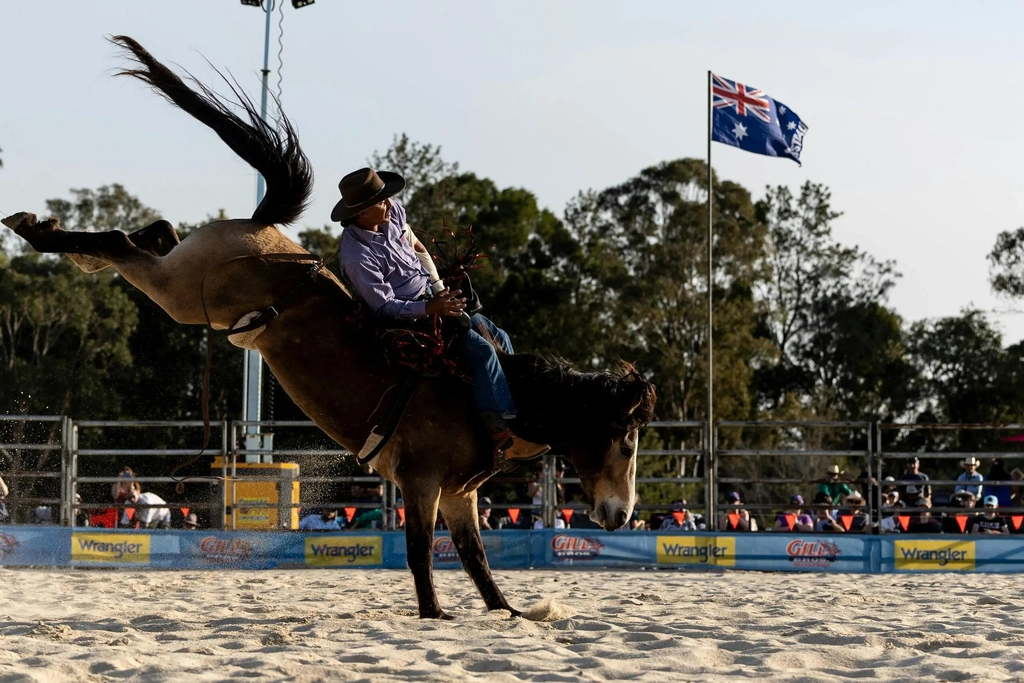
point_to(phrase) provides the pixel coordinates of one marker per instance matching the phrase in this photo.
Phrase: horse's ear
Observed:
(636, 395)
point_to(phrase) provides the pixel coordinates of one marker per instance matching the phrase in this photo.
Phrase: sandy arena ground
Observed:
(646, 626)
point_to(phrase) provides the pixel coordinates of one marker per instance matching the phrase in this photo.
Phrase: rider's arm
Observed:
(369, 283)
(425, 259)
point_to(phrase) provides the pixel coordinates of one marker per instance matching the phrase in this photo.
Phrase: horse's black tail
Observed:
(276, 155)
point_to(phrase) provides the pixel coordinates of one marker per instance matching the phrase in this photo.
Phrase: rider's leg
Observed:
(488, 328)
(489, 384)
(493, 397)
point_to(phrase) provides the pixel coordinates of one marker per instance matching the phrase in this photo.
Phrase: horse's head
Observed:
(604, 454)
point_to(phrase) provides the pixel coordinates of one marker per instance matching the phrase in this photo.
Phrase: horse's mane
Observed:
(554, 399)
(276, 155)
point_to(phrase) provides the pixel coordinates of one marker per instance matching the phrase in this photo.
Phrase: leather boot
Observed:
(509, 449)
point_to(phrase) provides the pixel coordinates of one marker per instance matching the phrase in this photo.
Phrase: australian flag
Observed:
(745, 117)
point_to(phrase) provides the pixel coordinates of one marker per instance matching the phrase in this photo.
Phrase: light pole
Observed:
(252, 377)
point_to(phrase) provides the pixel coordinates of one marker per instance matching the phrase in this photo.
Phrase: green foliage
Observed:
(838, 349)
(418, 163)
(108, 208)
(1006, 264)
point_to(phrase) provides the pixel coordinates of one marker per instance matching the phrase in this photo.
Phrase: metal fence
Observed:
(49, 461)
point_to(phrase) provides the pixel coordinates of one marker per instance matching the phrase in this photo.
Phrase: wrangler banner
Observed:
(540, 548)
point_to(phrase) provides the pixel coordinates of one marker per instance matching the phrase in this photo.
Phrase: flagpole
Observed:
(710, 469)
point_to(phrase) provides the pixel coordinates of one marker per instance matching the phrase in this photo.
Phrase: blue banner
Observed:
(512, 549)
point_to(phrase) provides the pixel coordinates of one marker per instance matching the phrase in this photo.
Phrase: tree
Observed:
(110, 207)
(968, 376)
(420, 164)
(648, 242)
(815, 305)
(1006, 264)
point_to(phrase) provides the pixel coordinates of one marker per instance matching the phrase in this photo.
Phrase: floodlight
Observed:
(252, 3)
(299, 4)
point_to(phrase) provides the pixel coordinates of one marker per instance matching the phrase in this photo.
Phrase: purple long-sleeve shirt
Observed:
(384, 269)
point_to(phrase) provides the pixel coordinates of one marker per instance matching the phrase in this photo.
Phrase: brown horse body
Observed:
(440, 454)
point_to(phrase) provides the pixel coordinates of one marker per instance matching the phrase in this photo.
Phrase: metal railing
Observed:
(17, 442)
(881, 448)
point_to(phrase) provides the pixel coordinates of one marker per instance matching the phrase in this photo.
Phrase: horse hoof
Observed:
(440, 614)
(19, 221)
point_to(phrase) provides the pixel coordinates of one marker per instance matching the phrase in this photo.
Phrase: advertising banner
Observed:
(511, 549)
(35, 545)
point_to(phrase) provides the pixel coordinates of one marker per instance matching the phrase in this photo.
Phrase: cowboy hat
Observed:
(834, 469)
(362, 189)
(969, 461)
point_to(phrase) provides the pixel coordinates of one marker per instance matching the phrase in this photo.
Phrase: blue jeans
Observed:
(489, 384)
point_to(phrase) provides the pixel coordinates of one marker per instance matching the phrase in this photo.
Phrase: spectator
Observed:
(5, 516)
(924, 523)
(990, 522)
(79, 516)
(867, 482)
(833, 487)
(484, 514)
(580, 519)
(1002, 492)
(191, 521)
(538, 523)
(368, 496)
(122, 491)
(855, 508)
(733, 517)
(912, 492)
(887, 485)
(157, 517)
(325, 520)
(42, 515)
(679, 519)
(535, 487)
(890, 515)
(970, 478)
(823, 521)
(963, 500)
(823, 499)
(802, 521)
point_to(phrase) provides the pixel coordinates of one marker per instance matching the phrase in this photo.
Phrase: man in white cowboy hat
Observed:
(970, 478)
(836, 489)
(394, 274)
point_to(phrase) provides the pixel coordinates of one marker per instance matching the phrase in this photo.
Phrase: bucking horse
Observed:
(439, 455)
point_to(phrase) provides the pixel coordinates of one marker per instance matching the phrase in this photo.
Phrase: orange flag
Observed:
(734, 519)
(567, 514)
(847, 520)
(1016, 519)
(679, 516)
(184, 512)
(401, 514)
(513, 514)
(790, 520)
(350, 513)
(904, 521)
(130, 512)
(961, 521)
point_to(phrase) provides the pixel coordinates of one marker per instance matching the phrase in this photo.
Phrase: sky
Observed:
(911, 107)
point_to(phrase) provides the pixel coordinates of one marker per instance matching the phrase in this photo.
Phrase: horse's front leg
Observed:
(420, 516)
(460, 513)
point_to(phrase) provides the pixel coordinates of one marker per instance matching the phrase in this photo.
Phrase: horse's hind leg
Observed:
(420, 516)
(460, 514)
(156, 238)
(48, 237)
